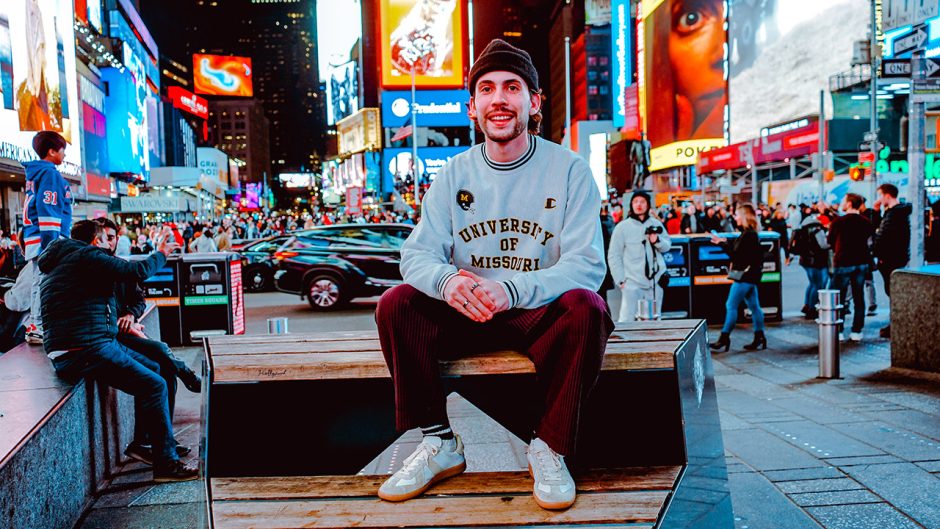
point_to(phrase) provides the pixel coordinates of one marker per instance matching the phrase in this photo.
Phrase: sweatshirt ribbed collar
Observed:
(515, 164)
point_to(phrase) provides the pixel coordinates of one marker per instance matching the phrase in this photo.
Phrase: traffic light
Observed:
(857, 173)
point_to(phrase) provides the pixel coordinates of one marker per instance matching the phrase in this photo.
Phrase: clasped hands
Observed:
(475, 297)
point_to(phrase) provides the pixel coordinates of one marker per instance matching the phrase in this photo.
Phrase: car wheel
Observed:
(325, 292)
(256, 280)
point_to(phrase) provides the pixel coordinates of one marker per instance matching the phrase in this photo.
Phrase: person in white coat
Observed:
(636, 257)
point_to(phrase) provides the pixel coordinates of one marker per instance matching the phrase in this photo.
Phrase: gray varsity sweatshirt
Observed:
(533, 224)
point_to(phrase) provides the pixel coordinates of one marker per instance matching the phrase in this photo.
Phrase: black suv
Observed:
(331, 265)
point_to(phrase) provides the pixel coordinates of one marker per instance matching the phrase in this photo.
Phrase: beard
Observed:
(505, 134)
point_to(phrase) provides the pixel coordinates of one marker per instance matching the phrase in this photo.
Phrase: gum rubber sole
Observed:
(550, 506)
(450, 472)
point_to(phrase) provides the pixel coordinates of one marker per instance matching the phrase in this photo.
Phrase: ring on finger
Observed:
(465, 303)
(474, 286)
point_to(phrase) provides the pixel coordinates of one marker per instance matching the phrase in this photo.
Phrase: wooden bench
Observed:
(59, 442)
(291, 420)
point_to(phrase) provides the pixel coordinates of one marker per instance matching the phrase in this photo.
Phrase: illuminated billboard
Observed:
(220, 75)
(342, 92)
(187, 101)
(427, 40)
(776, 65)
(38, 81)
(296, 180)
(683, 86)
(127, 125)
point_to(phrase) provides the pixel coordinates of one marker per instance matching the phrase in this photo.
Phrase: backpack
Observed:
(805, 244)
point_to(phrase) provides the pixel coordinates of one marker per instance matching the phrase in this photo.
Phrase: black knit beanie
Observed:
(499, 55)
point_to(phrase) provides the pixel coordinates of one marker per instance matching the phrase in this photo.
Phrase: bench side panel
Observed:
(702, 499)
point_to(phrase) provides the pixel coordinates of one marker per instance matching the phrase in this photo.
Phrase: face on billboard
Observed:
(770, 79)
(36, 91)
(684, 86)
(222, 75)
(424, 37)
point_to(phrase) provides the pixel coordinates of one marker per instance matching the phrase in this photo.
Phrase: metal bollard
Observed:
(277, 326)
(647, 309)
(829, 322)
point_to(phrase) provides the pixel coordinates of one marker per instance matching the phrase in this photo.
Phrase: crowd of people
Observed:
(839, 246)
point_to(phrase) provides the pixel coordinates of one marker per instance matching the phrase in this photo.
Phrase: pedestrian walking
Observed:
(811, 244)
(850, 236)
(747, 265)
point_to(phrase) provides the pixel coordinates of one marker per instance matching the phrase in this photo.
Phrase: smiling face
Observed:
(502, 105)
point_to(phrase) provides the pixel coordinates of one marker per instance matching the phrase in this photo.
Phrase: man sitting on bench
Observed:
(508, 255)
(77, 300)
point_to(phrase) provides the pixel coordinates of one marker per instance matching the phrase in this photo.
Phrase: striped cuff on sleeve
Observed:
(512, 292)
(442, 282)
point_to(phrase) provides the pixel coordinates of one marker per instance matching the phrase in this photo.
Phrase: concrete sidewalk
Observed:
(855, 453)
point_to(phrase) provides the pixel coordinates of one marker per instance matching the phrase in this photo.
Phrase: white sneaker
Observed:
(855, 337)
(434, 459)
(34, 337)
(554, 488)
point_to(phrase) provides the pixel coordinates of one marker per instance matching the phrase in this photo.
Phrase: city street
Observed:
(862, 452)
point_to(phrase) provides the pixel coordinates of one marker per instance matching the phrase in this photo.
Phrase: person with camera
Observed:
(747, 266)
(636, 257)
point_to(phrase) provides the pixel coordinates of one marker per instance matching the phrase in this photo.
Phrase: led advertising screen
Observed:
(683, 78)
(219, 75)
(339, 28)
(189, 102)
(433, 108)
(621, 55)
(296, 180)
(423, 37)
(38, 81)
(397, 162)
(342, 92)
(775, 61)
(126, 114)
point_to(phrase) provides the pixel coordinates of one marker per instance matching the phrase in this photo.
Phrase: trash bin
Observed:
(677, 301)
(163, 288)
(710, 283)
(770, 289)
(211, 292)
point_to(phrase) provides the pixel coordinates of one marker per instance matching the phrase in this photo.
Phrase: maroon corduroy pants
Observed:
(565, 340)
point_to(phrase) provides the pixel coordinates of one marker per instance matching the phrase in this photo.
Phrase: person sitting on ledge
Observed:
(508, 254)
(130, 302)
(77, 300)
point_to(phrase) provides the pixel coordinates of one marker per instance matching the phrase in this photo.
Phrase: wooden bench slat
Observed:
(641, 328)
(312, 343)
(480, 511)
(312, 487)
(344, 346)
(346, 365)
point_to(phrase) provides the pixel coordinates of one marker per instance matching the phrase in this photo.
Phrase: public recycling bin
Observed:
(211, 293)
(677, 295)
(163, 288)
(710, 283)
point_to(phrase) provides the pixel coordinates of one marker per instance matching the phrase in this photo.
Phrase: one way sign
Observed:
(932, 67)
(912, 41)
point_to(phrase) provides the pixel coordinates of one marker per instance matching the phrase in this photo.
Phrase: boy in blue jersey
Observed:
(47, 213)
